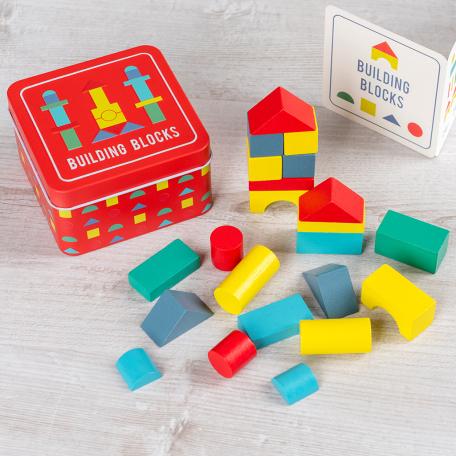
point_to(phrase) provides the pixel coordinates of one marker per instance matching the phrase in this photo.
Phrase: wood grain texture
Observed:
(64, 321)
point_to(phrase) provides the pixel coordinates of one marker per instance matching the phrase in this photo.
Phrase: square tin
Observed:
(112, 148)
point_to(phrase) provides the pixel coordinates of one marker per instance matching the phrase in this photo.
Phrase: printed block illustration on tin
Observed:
(112, 147)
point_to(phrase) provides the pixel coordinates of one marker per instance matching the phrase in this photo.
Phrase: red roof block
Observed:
(281, 112)
(331, 201)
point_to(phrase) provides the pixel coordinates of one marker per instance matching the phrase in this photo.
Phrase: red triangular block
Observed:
(281, 112)
(331, 201)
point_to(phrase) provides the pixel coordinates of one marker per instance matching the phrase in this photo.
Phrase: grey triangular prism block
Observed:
(175, 313)
(332, 287)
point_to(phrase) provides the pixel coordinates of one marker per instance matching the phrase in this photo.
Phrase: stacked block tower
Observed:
(282, 143)
(330, 220)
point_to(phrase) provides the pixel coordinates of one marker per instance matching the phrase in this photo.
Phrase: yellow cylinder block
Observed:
(246, 279)
(335, 336)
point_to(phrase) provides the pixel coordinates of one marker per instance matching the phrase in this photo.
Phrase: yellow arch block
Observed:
(412, 309)
(335, 336)
(260, 200)
(246, 279)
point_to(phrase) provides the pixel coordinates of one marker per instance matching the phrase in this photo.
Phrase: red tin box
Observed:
(112, 147)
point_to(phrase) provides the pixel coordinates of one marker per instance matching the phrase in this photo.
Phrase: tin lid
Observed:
(100, 127)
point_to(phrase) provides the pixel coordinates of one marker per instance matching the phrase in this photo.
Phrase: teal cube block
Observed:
(137, 369)
(330, 243)
(296, 383)
(333, 289)
(302, 165)
(276, 321)
(163, 270)
(411, 241)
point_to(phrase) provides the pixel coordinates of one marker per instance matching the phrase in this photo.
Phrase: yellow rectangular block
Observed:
(260, 200)
(330, 227)
(265, 168)
(412, 309)
(305, 142)
(335, 336)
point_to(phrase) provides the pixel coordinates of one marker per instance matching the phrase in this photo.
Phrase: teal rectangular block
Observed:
(330, 243)
(163, 270)
(411, 241)
(276, 321)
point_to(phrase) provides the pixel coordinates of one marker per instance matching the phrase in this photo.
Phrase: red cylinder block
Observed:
(227, 247)
(232, 353)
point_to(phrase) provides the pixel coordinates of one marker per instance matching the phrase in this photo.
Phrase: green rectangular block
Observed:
(163, 270)
(411, 241)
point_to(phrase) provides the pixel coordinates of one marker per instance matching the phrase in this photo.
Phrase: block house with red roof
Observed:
(331, 219)
(282, 143)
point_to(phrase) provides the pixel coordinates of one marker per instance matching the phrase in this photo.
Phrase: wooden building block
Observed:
(163, 270)
(301, 142)
(336, 336)
(331, 201)
(232, 353)
(246, 279)
(175, 313)
(264, 168)
(298, 165)
(281, 112)
(296, 383)
(227, 247)
(276, 321)
(334, 243)
(330, 227)
(265, 145)
(412, 309)
(137, 369)
(294, 183)
(260, 200)
(411, 241)
(333, 289)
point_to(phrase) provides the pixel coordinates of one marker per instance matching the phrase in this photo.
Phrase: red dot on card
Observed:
(415, 129)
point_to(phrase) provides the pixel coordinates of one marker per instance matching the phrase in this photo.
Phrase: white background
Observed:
(64, 321)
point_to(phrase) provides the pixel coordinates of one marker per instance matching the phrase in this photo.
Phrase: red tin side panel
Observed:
(125, 216)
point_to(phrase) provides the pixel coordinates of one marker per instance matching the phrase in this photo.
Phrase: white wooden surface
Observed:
(64, 321)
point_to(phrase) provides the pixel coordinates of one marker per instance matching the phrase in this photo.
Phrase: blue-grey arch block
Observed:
(296, 383)
(175, 313)
(333, 289)
(137, 369)
(276, 321)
